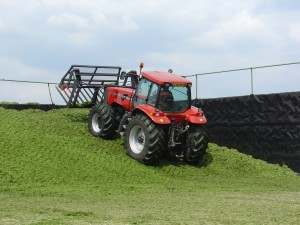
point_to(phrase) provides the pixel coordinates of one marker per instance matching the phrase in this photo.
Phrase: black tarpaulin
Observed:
(265, 126)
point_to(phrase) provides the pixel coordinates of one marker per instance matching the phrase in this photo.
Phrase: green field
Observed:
(52, 171)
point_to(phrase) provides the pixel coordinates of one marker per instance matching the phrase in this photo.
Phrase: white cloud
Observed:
(13, 68)
(72, 21)
(2, 24)
(226, 33)
(127, 24)
(67, 19)
(243, 23)
(42, 37)
(295, 31)
(80, 39)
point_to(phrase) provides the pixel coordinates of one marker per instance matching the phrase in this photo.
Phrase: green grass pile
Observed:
(52, 171)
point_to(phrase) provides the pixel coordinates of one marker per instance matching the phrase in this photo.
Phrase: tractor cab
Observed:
(169, 97)
(165, 91)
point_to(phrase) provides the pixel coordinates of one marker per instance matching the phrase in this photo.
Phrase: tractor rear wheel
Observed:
(143, 140)
(102, 121)
(197, 142)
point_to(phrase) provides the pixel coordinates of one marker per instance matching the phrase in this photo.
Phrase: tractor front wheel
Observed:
(143, 140)
(102, 121)
(197, 142)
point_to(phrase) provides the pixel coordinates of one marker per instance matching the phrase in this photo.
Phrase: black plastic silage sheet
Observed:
(44, 107)
(265, 126)
(274, 109)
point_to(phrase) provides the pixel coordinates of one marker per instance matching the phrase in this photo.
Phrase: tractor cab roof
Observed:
(164, 77)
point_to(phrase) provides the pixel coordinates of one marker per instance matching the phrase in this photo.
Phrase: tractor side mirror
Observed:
(122, 76)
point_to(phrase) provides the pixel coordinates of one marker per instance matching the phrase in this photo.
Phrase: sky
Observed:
(41, 39)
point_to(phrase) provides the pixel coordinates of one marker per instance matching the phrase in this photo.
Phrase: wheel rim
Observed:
(137, 139)
(97, 122)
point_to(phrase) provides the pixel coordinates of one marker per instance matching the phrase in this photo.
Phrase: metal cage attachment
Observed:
(83, 84)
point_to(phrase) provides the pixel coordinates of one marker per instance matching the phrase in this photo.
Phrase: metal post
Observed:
(50, 94)
(196, 86)
(252, 92)
(71, 100)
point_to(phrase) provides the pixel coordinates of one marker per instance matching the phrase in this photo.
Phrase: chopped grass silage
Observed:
(50, 157)
(55, 147)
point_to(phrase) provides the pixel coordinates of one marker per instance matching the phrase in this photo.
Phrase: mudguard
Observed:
(194, 116)
(150, 111)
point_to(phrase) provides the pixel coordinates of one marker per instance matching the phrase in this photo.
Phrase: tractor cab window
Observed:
(153, 94)
(142, 91)
(174, 98)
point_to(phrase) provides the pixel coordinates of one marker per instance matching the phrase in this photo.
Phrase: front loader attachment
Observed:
(83, 84)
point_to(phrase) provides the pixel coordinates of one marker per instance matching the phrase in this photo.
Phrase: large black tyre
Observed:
(197, 142)
(102, 121)
(144, 140)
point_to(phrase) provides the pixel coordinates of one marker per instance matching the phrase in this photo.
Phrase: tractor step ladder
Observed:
(84, 84)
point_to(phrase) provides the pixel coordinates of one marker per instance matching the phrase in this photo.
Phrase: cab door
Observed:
(141, 94)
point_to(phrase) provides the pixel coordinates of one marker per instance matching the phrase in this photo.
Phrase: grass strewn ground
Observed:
(52, 171)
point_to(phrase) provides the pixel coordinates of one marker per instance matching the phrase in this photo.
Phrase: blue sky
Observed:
(40, 39)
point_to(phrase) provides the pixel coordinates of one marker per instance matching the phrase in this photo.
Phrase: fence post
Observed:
(196, 86)
(251, 81)
(50, 94)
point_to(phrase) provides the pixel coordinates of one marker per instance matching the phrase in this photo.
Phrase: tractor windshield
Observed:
(174, 98)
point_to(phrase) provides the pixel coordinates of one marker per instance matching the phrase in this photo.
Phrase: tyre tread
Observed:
(155, 147)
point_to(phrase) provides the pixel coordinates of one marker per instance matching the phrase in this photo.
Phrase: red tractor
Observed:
(156, 115)
(152, 109)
